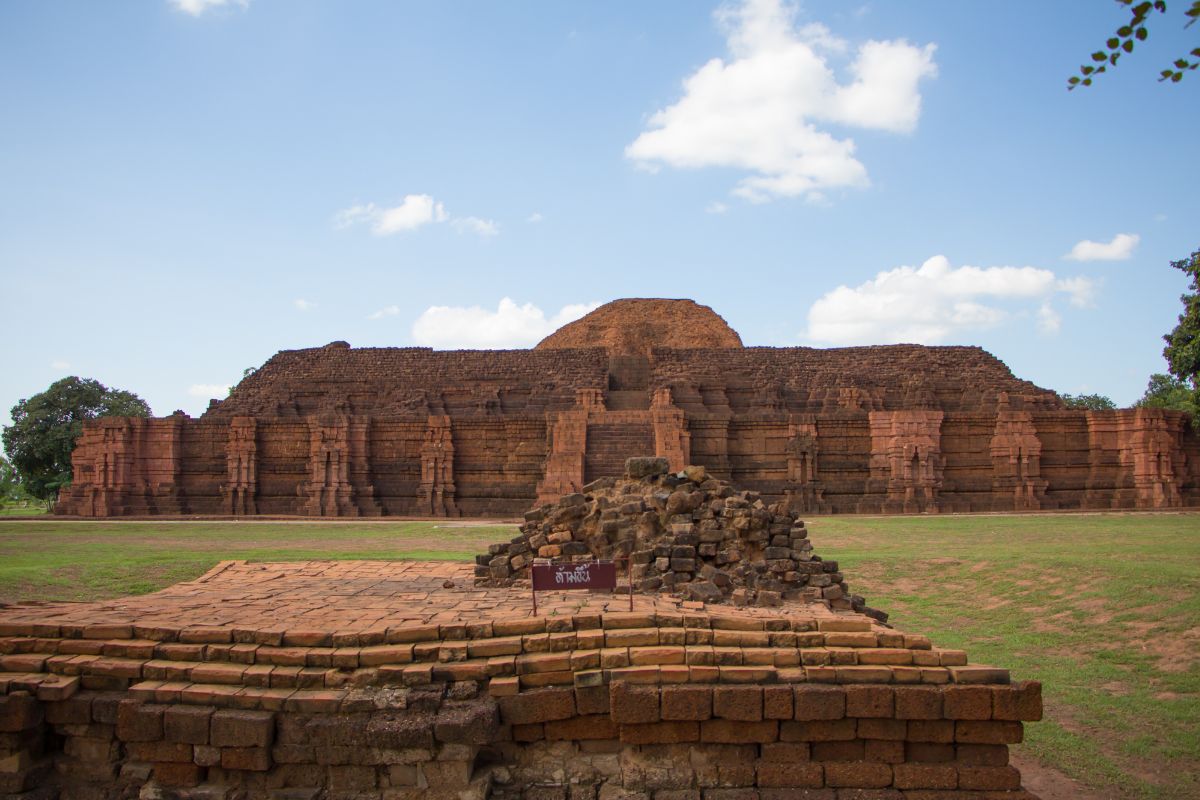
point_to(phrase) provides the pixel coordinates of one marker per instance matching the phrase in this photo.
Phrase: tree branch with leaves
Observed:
(1136, 31)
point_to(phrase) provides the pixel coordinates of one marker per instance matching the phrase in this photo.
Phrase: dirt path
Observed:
(1050, 784)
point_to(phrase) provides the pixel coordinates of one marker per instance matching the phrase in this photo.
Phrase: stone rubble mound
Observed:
(685, 534)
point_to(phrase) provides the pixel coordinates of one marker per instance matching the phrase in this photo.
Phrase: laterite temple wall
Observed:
(336, 431)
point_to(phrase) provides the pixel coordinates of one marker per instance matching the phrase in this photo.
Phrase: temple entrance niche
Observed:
(241, 468)
(906, 458)
(437, 491)
(804, 492)
(1016, 454)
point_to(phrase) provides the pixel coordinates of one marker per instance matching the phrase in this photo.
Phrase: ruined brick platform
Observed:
(380, 680)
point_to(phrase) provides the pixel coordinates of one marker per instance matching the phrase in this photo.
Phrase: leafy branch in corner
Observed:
(1123, 41)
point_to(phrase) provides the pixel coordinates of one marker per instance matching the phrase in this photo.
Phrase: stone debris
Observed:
(685, 534)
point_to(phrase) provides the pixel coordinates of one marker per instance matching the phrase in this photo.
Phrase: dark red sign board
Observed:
(582, 575)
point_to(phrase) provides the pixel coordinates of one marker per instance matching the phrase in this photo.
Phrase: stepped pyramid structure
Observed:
(337, 431)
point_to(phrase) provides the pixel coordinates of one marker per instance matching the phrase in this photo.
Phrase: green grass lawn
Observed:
(30, 509)
(1104, 609)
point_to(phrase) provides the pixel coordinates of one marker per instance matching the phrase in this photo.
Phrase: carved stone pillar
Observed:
(671, 438)
(1150, 447)
(1016, 460)
(563, 472)
(804, 490)
(906, 455)
(112, 469)
(436, 492)
(328, 492)
(241, 468)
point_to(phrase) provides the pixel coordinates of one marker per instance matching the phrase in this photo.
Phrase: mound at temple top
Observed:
(636, 326)
(701, 360)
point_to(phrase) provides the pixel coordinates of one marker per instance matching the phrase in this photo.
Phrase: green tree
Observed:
(1181, 390)
(1089, 402)
(45, 427)
(10, 482)
(1183, 344)
(1167, 391)
(1136, 30)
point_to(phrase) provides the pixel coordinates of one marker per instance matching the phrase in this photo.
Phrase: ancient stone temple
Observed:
(338, 431)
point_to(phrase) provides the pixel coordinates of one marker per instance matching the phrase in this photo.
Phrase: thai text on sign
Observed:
(584, 575)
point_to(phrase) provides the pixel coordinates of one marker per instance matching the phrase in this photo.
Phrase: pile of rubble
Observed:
(684, 533)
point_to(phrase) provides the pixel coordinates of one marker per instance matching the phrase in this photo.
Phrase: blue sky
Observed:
(187, 187)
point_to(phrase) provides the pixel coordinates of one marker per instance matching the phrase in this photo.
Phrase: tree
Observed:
(1183, 344)
(45, 427)
(10, 482)
(1181, 390)
(1167, 391)
(1089, 402)
(1135, 30)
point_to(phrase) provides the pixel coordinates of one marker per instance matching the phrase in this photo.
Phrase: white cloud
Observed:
(936, 302)
(198, 7)
(535, 217)
(209, 390)
(510, 325)
(758, 111)
(390, 311)
(716, 207)
(481, 227)
(60, 365)
(1048, 319)
(414, 211)
(303, 305)
(1119, 249)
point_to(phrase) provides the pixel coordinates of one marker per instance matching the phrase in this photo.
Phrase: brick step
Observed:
(627, 400)
(632, 654)
(530, 636)
(47, 687)
(24, 637)
(311, 701)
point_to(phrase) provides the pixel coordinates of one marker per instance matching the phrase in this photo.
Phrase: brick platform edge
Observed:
(653, 706)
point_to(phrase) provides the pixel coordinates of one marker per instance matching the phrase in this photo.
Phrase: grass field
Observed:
(1104, 609)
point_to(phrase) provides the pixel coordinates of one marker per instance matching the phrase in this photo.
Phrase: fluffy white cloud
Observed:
(510, 325)
(209, 390)
(935, 302)
(758, 111)
(1119, 249)
(481, 227)
(303, 305)
(535, 217)
(414, 211)
(198, 7)
(716, 207)
(390, 311)
(60, 365)
(1048, 319)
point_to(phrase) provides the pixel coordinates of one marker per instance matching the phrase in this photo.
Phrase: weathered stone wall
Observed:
(335, 431)
(643, 706)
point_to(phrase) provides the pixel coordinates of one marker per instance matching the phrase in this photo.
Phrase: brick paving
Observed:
(354, 596)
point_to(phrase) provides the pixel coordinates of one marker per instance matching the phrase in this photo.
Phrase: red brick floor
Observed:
(352, 596)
